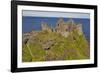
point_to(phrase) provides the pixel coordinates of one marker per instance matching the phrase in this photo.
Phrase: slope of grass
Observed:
(74, 47)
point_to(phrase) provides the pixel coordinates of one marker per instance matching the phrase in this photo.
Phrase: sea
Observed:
(30, 23)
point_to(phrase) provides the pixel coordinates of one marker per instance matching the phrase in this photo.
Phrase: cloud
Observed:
(55, 14)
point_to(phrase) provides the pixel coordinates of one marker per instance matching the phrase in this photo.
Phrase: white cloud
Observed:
(55, 14)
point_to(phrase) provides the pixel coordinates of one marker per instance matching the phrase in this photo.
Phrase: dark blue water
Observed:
(34, 23)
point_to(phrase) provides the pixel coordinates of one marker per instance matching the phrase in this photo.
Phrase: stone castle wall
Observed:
(62, 27)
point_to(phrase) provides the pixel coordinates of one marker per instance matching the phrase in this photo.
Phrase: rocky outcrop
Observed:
(25, 38)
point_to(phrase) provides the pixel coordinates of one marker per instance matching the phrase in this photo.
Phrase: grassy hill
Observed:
(50, 46)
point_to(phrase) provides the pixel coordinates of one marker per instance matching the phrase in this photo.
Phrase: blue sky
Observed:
(55, 14)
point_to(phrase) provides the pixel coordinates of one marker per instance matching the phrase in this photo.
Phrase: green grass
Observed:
(74, 47)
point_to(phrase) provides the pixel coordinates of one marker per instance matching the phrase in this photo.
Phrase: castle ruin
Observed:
(63, 28)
